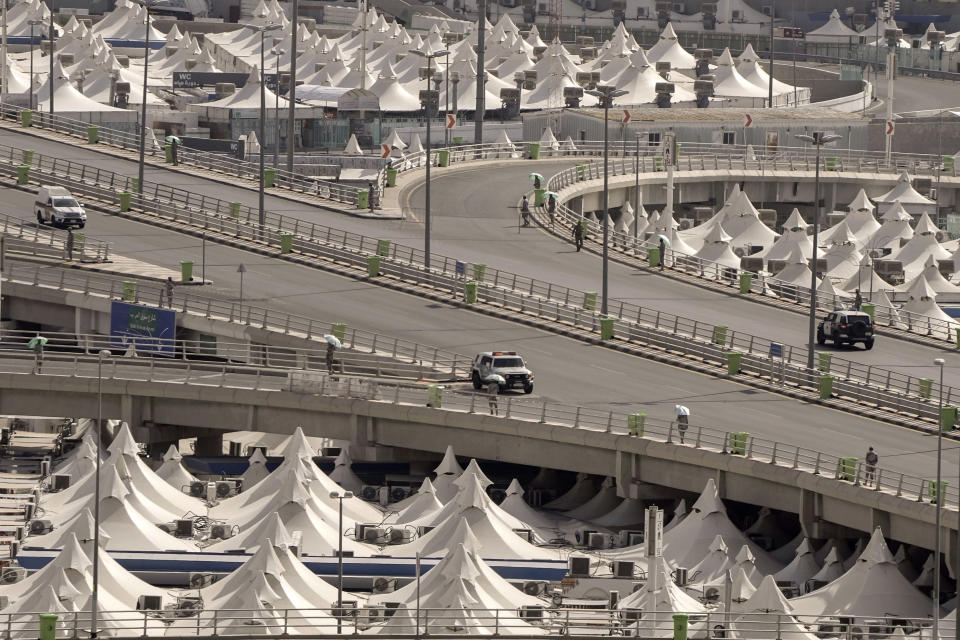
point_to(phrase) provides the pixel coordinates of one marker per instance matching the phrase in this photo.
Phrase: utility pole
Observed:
(481, 75)
(292, 91)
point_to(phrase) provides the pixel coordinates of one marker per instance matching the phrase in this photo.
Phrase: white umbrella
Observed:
(332, 340)
(681, 410)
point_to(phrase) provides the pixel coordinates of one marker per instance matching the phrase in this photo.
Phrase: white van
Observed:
(56, 206)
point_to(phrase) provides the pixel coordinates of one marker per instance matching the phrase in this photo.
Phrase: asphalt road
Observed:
(567, 370)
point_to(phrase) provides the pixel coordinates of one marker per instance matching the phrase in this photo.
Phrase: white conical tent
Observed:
(872, 587)
(745, 562)
(797, 271)
(172, 470)
(794, 236)
(748, 66)
(446, 473)
(714, 565)
(685, 544)
(66, 97)
(756, 622)
(716, 257)
(585, 488)
(729, 82)
(834, 31)
(256, 469)
(80, 526)
(678, 515)
(605, 501)
(343, 473)
(423, 505)
(894, 229)
(865, 279)
(935, 280)
(250, 538)
(659, 605)
(913, 255)
(803, 566)
(472, 493)
(547, 525)
(668, 49)
(629, 513)
(923, 314)
(904, 193)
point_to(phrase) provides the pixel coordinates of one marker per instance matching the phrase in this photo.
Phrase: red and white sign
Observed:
(890, 127)
(747, 120)
(451, 121)
(626, 117)
(385, 150)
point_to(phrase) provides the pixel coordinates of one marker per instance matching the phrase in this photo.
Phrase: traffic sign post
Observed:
(747, 120)
(626, 117)
(385, 150)
(776, 351)
(451, 121)
(888, 130)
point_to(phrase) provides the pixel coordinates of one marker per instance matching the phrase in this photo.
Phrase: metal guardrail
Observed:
(547, 300)
(419, 356)
(761, 283)
(347, 361)
(192, 619)
(32, 239)
(215, 162)
(697, 436)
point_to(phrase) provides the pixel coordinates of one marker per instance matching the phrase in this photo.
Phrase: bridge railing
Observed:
(221, 163)
(528, 295)
(421, 358)
(839, 466)
(760, 283)
(32, 239)
(190, 618)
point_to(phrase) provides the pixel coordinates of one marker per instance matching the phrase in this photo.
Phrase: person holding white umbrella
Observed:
(333, 343)
(683, 420)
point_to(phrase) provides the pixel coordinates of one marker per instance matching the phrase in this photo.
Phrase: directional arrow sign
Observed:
(451, 121)
(626, 117)
(385, 150)
(747, 120)
(890, 127)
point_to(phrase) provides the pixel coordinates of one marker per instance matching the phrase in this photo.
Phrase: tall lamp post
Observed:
(606, 94)
(32, 23)
(340, 497)
(818, 139)
(940, 498)
(147, 5)
(428, 98)
(94, 599)
(636, 191)
(50, 78)
(262, 29)
(292, 89)
(277, 51)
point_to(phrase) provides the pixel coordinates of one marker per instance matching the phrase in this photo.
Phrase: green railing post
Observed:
(234, 209)
(391, 177)
(680, 626)
(653, 256)
(720, 334)
(383, 248)
(363, 198)
(48, 626)
(948, 418)
(27, 157)
(443, 158)
(269, 176)
(479, 271)
(823, 361)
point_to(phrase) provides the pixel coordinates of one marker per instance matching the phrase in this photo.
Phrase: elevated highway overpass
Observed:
(158, 400)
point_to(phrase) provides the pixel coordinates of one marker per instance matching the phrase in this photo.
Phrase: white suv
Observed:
(505, 368)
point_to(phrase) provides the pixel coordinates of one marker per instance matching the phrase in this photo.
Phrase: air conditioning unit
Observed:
(40, 527)
(199, 580)
(400, 536)
(384, 585)
(613, 600)
(168, 527)
(685, 223)
(221, 531)
(715, 593)
(149, 603)
(370, 493)
(10, 575)
(582, 535)
(737, 16)
(526, 534)
(680, 576)
(188, 607)
(813, 585)
(788, 589)
(531, 612)
(198, 489)
(642, 12)
(932, 193)
(361, 531)
(578, 566)
(623, 568)
(226, 488)
(59, 482)
(183, 528)
(374, 535)
(14, 550)
(399, 492)
(630, 538)
(679, 7)
(423, 530)
(534, 587)
(597, 541)
(366, 617)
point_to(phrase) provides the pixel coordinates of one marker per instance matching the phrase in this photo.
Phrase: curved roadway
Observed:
(473, 221)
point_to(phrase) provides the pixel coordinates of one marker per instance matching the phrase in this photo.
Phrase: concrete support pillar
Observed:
(808, 512)
(211, 445)
(880, 519)
(127, 411)
(628, 467)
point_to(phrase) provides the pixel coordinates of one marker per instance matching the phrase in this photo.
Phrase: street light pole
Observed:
(292, 87)
(50, 78)
(33, 37)
(940, 498)
(427, 106)
(276, 107)
(818, 139)
(147, 5)
(340, 497)
(773, 13)
(606, 94)
(636, 192)
(261, 217)
(94, 596)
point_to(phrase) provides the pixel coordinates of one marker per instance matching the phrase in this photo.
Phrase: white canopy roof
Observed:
(833, 31)
(904, 192)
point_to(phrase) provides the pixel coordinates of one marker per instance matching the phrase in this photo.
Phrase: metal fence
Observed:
(221, 163)
(426, 361)
(545, 300)
(27, 238)
(697, 436)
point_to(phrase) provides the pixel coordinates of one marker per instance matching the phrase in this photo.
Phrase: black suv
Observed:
(846, 327)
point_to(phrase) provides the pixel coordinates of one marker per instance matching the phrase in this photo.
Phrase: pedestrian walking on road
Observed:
(577, 237)
(70, 242)
(36, 344)
(330, 350)
(525, 211)
(663, 252)
(857, 300)
(493, 390)
(683, 421)
(168, 288)
(871, 460)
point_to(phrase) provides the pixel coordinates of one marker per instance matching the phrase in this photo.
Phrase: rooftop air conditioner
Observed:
(581, 535)
(623, 569)
(361, 531)
(642, 12)
(715, 593)
(221, 531)
(399, 492)
(400, 536)
(183, 528)
(40, 527)
(10, 575)
(578, 566)
(225, 489)
(59, 482)
(597, 541)
(535, 587)
(423, 530)
(680, 576)
(384, 585)
(373, 535)
(198, 489)
(149, 603)
(630, 538)
(531, 612)
(370, 493)
(526, 534)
